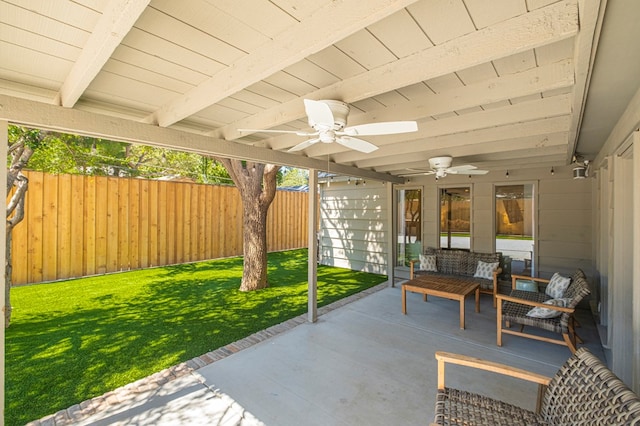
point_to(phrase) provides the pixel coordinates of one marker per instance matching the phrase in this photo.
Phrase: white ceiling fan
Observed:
(329, 118)
(441, 166)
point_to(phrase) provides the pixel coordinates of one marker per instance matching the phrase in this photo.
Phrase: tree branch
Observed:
(269, 183)
(16, 204)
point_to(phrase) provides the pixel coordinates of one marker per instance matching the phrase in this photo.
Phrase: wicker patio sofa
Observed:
(515, 309)
(460, 264)
(583, 392)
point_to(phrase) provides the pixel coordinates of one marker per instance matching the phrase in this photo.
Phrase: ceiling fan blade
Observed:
(384, 128)
(458, 169)
(294, 132)
(356, 144)
(303, 145)
(318, 113)
(476, 172)
(419, 173)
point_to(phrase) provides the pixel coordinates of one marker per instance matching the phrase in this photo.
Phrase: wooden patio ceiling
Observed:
(498, 83)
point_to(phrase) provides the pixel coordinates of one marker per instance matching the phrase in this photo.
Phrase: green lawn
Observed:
(73, 340)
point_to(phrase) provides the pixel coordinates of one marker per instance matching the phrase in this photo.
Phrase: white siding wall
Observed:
(564, 226)
(354, 219)
(618, 243)
(354, 226)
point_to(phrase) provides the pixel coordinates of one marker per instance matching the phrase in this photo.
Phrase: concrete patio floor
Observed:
(363, 363)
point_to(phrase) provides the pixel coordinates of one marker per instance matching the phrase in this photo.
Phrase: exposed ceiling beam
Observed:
(524, 163)
(591, 17)
(114, 24)
(51, 117)
(536, 80)
(534, 143)
(540, 27)
(528, 148)
(333, 22)
(446, 142)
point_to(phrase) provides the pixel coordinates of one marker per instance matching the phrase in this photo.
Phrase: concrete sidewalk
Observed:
(363, 362)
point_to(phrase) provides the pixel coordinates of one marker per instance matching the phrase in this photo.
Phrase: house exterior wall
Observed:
(564, 226)
(562, 222)
(354, 219)
(617, 243)
(354, 226)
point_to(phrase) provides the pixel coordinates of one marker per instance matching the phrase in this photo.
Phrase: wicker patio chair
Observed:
(513, 309)
(583, 392)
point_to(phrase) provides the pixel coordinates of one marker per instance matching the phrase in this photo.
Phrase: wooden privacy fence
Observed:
(85, 225)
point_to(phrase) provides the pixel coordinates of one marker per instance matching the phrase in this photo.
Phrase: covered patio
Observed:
(362, 362)
(527, 90)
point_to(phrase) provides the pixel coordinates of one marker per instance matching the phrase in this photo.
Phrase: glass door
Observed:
(455, 218)
(514, 227)
(409, 225)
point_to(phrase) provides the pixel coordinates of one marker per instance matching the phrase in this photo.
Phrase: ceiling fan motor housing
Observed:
(440, 162)
(340, 111)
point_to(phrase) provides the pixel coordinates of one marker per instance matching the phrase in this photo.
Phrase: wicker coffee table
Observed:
(447, 287)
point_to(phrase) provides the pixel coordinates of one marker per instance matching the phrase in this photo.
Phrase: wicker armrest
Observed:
(446, 357)
(526, 277)
(532, 303)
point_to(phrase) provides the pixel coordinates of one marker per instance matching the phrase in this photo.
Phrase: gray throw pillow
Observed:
(428, 263)
(557, 286)
(538, 312)
(485, 270)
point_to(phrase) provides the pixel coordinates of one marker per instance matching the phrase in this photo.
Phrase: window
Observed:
(409, 225)
(514, 227)
(455, 218)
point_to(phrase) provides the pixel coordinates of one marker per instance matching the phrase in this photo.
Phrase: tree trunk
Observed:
(7, 281)
(21, 151)
(257, 186)
(254, 248)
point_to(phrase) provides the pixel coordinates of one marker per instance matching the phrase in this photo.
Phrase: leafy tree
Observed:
(22, 144)
(294, 177)
(256, 183)
(73, 154)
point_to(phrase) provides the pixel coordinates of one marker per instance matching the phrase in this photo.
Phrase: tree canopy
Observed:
(73, 154)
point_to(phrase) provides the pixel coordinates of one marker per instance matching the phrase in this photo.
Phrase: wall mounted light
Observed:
(507, 174)
(581, 168)
(552, 171)
(579, 172)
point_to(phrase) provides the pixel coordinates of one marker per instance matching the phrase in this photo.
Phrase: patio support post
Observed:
(391, 211)
(313, 246)
(4, 145)
(636, 265)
